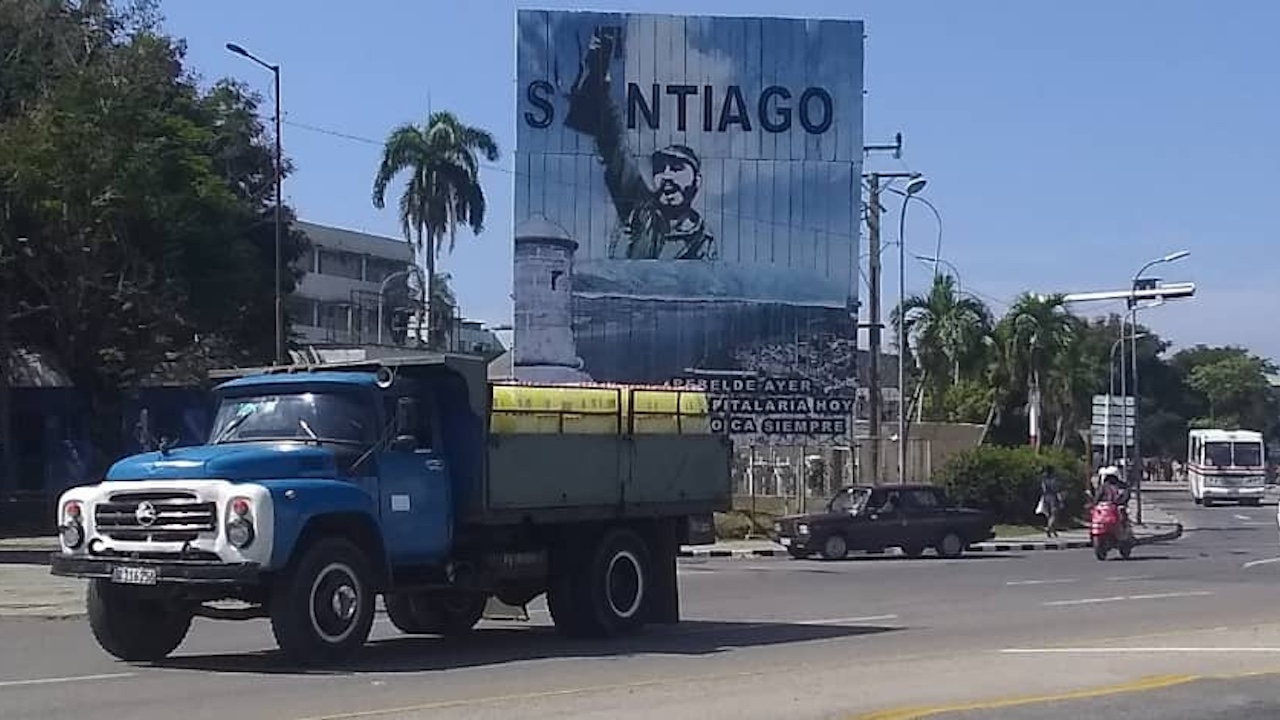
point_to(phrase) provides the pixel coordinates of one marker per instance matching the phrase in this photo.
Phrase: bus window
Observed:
(1217, 454)
(1248, 454)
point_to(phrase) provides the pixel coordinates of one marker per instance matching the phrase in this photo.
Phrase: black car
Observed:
(876, 517)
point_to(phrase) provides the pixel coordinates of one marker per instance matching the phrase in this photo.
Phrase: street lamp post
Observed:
(914, 186)
(1133, 346)
(874, 325)
(279, 221)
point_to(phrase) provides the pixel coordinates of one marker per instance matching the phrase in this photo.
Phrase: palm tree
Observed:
(948, 328)
(1041, 334)
(442, 189)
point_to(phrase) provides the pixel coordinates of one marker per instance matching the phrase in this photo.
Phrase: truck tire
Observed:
(608, 596)
(435, 613)
(133, 628)
(322, 609)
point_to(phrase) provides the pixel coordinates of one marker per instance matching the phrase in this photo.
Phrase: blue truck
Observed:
(417, 479)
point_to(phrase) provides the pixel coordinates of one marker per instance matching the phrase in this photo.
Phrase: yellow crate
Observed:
(597, 410)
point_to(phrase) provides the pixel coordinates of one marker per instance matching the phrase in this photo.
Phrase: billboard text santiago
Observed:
(686, 193)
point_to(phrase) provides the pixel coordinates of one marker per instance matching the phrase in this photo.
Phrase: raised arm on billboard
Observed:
(658, 222)
(592, 112)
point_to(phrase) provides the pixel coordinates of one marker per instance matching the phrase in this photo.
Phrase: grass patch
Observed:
(738, 524)
(1008, 531)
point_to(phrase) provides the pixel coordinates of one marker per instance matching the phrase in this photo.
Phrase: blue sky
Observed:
(1065, 143)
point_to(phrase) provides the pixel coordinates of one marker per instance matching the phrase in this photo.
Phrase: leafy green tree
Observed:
(1236, 390)
(135, 221)
(441, 190)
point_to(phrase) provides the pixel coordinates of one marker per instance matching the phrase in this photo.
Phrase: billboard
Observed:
(687, 202)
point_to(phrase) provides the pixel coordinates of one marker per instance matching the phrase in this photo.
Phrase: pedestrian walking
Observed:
(1050, 504)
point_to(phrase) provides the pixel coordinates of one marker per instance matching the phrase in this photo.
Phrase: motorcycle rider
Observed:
(1111, 487)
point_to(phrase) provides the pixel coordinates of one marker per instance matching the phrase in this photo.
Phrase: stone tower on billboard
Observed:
(545, 351)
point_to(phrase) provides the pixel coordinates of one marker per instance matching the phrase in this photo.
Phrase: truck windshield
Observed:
(326, 417)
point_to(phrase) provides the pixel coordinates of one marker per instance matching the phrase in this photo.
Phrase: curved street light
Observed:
(279, 222)
(914, 186)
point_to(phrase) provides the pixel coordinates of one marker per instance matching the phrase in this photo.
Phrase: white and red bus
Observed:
(1226, 465)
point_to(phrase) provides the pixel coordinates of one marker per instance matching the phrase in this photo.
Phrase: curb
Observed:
(757, 553)
(1029, 546)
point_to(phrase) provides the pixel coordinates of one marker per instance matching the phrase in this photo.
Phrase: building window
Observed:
(301, 311)
(378, 269)
(333, 316)
(340, 263)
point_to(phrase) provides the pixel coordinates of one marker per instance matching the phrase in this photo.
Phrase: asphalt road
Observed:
(763, 639)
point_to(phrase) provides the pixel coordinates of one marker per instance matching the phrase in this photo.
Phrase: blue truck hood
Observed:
(238, 461)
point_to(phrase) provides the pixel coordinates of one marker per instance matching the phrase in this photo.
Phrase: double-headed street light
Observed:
(279, 163)
(1132, 302)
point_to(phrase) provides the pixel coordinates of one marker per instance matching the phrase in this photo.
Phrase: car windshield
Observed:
(319, 416)
(850, 501)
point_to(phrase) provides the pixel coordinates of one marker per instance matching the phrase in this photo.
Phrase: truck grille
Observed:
(155, 517)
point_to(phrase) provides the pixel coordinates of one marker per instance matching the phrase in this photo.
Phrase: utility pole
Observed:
(874, 326)
(874, 323)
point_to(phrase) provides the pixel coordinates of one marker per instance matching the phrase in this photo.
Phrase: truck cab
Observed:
(320, 488)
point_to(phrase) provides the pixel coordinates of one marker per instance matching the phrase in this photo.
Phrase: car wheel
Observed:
(951, 546)
(913, 551)
(835, 547)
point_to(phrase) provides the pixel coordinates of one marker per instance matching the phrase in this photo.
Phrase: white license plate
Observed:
(133, 575)
(786, 541)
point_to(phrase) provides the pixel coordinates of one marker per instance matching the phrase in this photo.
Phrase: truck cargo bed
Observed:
(581, 452)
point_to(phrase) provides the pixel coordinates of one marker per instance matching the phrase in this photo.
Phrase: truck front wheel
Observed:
(608, 596)
(134, 628)
(429, 613)
(322, 610)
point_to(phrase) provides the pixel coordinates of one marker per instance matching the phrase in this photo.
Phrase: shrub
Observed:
(736, 525)
(1006, 481)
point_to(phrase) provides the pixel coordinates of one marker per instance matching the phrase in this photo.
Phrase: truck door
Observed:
(414, 490)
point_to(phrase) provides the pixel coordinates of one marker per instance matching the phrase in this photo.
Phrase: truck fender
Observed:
(307, 509)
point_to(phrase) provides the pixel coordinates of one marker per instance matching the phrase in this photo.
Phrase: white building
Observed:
(336, 302)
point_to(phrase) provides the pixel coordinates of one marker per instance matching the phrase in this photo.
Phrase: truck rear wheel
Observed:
(134, 628)
(608, 594)
(322, 610)
(432, 613)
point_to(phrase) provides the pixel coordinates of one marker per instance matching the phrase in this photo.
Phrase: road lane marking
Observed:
(1056, 581)
(1146, 684)
(1243, 517)
(1121, 598)
(1256, 563)
(1127, 578)
(722, 625)
(64, 680)
(1139, 650)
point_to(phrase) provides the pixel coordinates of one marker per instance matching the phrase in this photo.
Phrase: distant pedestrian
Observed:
(1050, 504)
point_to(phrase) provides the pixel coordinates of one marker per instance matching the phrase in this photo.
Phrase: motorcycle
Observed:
(1108, 529)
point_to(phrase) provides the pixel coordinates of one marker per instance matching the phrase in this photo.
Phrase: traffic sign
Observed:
(1113, 420)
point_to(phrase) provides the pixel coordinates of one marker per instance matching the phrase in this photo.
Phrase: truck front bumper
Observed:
(155, 572)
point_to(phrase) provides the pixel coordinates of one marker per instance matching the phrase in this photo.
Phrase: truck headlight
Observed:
(71, 527)
(240, 522)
